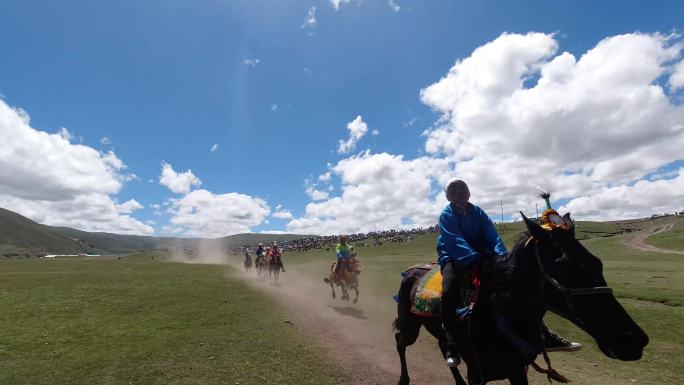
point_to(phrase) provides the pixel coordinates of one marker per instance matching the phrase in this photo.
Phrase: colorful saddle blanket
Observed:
(426, 300)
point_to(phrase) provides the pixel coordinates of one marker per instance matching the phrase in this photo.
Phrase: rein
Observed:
(568, 293)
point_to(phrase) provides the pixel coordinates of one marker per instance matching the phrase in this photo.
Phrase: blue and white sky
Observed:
(212, 118)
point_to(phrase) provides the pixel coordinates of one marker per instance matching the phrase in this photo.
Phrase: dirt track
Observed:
(638, 241)
(358, 340)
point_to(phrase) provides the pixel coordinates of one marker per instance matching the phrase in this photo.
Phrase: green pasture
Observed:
(143, 321)
(672, 239)
(138, 320)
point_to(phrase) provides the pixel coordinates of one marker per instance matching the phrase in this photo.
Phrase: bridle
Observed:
(568, 293)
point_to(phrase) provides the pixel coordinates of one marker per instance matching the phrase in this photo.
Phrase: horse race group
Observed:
(485, 305)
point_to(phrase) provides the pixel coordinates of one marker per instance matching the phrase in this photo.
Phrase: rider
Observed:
(260, 252)
(275, 253)
(465, 232)
(344, 252)
(248, 258)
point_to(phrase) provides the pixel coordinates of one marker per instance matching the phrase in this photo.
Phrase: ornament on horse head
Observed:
(550, 219)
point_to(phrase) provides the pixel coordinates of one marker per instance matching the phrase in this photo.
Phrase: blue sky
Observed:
(165, 81)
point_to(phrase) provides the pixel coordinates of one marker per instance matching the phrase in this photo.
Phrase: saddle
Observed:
(426, 300)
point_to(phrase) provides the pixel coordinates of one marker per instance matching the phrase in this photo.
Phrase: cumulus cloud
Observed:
(310, 19)
(677, 78)
(357, 129)
(585, 124)
(202, 213)
(336, 3)
(315, 194)
(517, 113)
(282, 213)
(178, 182)
(50, 180)
(106, 141)
(379, 191)
(214, 147)
(642, 199)
(394, 6)
(129, 206)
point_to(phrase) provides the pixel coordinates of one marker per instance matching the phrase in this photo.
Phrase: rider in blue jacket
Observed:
(465, 232)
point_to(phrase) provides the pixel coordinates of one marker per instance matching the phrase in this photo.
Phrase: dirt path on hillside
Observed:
(638, 241)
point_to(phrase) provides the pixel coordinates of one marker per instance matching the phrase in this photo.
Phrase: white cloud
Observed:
(50, 180)
(310, 19)
(642, 199)
(106, 141)
(518, 114)
(375, 132)
(251, 62)
(214, 147)
(394, 6)
(282, 213)
(677, 78)
(336, 3)
(325, 177)
(379, 191)
(129, 206)
(205, 214)
(586, 124)
(357, 129)
(308, 71)
(274, 107)
(316, 195)
(180, 183)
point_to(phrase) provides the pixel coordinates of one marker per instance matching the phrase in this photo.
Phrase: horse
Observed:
(274, 266)
(347, 279)
(548, 269)
(248, 263)
(261, 265)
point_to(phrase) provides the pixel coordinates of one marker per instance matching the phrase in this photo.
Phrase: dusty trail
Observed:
(639, 240)
(358, 339)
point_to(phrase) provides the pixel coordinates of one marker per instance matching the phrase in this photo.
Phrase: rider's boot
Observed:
(555, 343)
(452, 274)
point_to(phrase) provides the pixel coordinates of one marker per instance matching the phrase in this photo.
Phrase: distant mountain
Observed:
(20, 236)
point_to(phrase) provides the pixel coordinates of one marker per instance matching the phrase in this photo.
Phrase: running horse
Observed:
(275, 263)
(548, 269)
(347, 279)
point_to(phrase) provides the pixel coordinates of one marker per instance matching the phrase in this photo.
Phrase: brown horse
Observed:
(348, 278)
(275, 263)
(261, 264)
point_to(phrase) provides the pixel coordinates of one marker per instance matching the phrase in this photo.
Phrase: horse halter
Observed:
(568, 293)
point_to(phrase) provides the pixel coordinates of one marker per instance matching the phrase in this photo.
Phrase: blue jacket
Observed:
(463, 235)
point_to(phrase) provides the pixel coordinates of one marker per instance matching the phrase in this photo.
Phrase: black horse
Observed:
(545, 270)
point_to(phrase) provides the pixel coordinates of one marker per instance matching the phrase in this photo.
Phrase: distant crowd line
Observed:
(371, 239)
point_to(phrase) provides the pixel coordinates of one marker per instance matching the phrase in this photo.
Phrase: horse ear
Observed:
(570, 223)
(534, 229)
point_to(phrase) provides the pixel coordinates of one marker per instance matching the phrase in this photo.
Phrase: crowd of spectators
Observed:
(371, 239)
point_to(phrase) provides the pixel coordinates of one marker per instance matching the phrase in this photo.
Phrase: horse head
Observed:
(576, 290)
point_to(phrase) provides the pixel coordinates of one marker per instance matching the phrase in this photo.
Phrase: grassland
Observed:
(137, 320)
(142, 321)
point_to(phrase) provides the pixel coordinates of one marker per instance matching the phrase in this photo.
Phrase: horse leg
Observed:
(519, 377)
(435, 328)
(332, 285)
(356, 289)
(405, 336)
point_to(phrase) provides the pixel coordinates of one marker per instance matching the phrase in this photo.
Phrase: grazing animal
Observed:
(546, 270)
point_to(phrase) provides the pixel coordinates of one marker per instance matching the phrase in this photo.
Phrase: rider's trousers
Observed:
(452, 276)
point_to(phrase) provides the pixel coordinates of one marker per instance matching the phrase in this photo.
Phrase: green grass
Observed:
(142, 321)
(672, 239)
(139, 321)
